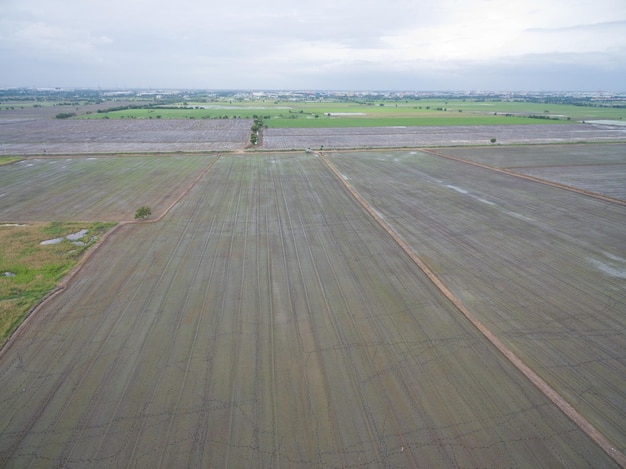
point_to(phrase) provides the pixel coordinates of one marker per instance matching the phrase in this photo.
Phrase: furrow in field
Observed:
(527, 176)
(96, 189)
(525, 258)
(348, 369)
(70, 350)
(269, 321)
(237, 383)
(150, 361)
(150, 439)
(599, 169)
(192, 307)
(122, 288)
(271, 390)
(318, 415)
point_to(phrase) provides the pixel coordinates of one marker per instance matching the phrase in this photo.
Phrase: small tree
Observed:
(493, 140)
(143, 212)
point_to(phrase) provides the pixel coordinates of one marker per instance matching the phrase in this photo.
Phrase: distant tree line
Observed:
(65, 115)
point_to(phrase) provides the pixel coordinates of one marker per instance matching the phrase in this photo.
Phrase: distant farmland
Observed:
(412, 137)
(54, 137)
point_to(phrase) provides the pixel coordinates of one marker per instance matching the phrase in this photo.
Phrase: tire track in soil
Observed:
(275, 456)
(194, 341)
(111, 370)
(405, 379)
(55, 358)
(139, 419)
(238, 324)
(542, 385)
(353, 378)
(406, 382)
(287, 226)
(84, 374)
(99, 394)
(528, 270)
(275, 431)
(32, 319)
(202, 429)
(305, 386)
(134, 458)
(354, 381)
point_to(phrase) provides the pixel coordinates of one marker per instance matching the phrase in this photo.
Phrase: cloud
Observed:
(245, 43)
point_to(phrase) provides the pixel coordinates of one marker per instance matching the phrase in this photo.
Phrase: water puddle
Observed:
(615, 266)
(458, 189)
(72, 237)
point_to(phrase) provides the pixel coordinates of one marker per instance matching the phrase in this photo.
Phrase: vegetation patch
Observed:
(29, 269)
(9, 160)
(375, 112)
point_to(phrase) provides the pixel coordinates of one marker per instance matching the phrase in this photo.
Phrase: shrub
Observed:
(143, 212)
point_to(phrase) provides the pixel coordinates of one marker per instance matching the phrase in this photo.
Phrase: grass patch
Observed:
(9, 159)
(29, 270)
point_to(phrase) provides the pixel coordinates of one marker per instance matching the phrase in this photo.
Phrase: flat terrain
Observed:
(542, 267)
(269, 321)
(411, 137)
(113, 136)
(54, 136)
(596, 168)
(93, 189)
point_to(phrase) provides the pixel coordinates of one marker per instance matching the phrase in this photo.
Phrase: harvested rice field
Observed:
(543, 268)
(412, 137)
(600, 169)
(269, 320)
(94, 189)
(104, 136)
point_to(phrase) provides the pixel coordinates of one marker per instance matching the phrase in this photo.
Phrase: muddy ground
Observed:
(269, 321)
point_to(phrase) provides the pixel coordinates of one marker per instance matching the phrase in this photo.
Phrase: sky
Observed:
(402, 45)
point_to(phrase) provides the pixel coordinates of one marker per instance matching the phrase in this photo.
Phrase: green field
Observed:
(301, 114)
(29, 270)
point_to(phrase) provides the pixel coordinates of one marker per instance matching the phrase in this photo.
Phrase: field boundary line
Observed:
(67, 279)
(528, 372)
(528, 177)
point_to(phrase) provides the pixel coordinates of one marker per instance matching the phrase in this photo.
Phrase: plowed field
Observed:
(268, 320)
(544, 268)
(93, 189)
(410, 137)
(596, 168)
(64, 137)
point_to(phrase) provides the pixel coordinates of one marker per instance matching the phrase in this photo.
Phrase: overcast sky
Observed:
(318, 45)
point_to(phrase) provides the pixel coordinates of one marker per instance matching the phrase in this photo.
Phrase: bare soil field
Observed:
(269, 321)
(595, 168)
(15, 110)
(54, 136)
(93, 189)
(543, 268)
(412, 137)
